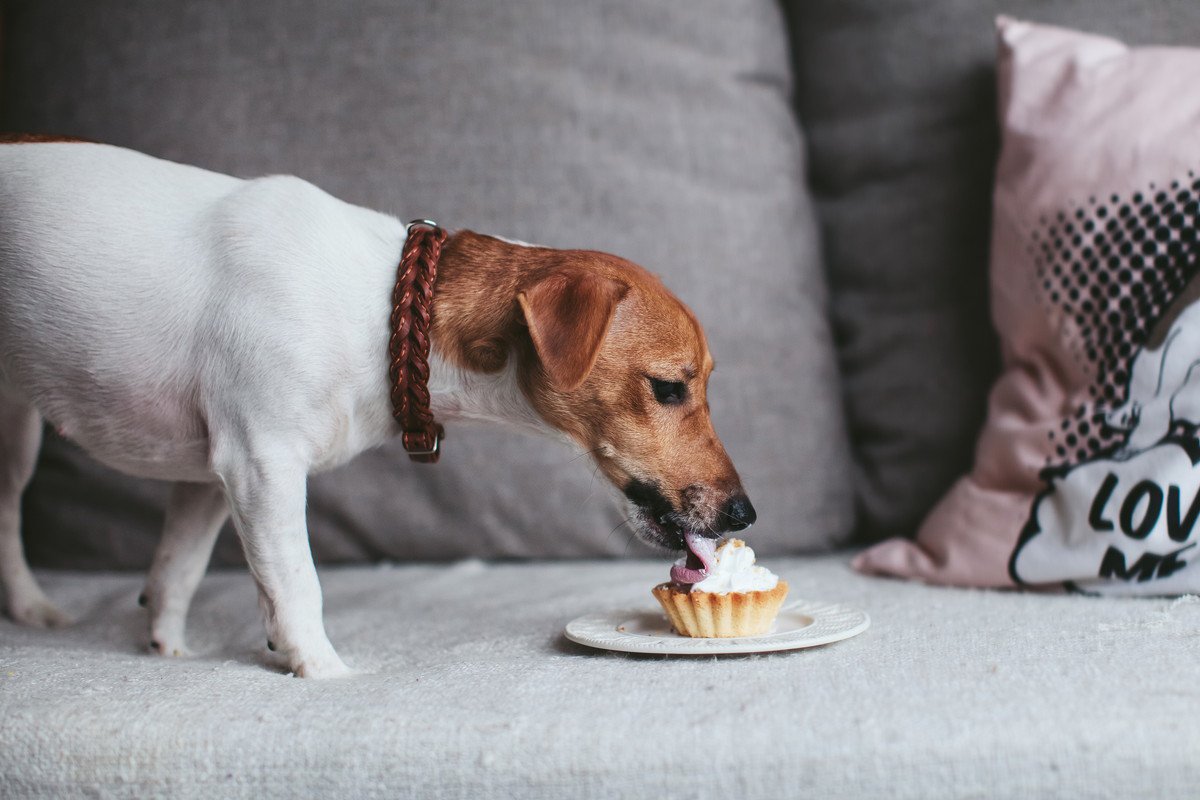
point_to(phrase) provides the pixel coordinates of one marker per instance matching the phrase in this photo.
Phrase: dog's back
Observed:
(121, 221)
(163, 289)
(83, 307)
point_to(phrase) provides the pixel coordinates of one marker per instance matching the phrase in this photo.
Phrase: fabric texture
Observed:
(898, 102)
(660, 132)
(1085, 470)
(473, 692)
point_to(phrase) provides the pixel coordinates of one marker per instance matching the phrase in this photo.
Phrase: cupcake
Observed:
(719, 591)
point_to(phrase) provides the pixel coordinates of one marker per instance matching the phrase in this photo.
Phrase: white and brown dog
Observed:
(231, 336)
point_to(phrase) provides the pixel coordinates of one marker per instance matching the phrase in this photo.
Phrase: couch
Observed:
(813, 179)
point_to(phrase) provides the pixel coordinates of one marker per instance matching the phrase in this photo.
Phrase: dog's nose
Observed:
(737, 514)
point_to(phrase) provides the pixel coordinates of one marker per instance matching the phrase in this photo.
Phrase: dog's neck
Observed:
(477, 346)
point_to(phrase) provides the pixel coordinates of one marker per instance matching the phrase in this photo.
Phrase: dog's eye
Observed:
(669, 393)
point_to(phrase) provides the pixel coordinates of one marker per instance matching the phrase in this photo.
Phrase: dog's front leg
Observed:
(266, 491)
(195, 514)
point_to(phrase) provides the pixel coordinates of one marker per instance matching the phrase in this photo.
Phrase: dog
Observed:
(231, 336)
(1164, 379)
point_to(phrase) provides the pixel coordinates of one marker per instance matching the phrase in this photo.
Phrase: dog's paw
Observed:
(321, 668)
(167, 634)
(173, 648)
(38, 613)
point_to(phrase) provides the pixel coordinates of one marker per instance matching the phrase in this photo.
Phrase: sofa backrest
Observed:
(657, 130)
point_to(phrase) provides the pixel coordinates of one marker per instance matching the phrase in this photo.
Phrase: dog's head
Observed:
(610, 357)
(622, 366)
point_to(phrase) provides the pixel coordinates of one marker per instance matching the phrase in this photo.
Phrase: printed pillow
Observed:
(1086, 471)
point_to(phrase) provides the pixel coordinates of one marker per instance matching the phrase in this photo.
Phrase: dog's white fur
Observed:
(228, 335)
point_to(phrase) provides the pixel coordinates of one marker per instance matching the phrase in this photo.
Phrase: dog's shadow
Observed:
(113, 624)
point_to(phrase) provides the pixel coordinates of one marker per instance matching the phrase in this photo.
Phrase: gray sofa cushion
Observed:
(898, 99)
(472, 692)
(656, 131)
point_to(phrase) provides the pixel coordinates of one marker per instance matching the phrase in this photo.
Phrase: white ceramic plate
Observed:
(802, 623)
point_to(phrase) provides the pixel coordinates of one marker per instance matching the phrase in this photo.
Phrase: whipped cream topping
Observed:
(732, 569)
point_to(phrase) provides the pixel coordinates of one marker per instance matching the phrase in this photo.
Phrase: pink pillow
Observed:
(1085, 472)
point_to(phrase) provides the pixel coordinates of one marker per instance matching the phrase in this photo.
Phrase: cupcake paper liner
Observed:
(713, 615)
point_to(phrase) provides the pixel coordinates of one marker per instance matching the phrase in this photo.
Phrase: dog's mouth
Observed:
(698, 562)
(657, 523)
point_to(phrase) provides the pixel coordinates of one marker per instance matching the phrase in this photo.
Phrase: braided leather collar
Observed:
(408, 349)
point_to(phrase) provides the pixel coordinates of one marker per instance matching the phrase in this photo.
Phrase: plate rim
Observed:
(653, 645)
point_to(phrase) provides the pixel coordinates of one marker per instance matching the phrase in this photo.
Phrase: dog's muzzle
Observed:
(660, 523)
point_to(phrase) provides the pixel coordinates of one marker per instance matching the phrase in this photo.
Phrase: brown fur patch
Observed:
(568, 315)
(607, 405)
(39, 138)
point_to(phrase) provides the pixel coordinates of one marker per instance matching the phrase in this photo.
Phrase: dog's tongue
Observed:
(699, 559)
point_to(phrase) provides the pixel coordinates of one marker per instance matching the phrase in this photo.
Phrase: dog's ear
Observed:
(568, 315)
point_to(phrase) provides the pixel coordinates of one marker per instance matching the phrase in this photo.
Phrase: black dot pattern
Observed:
(1111, 268)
